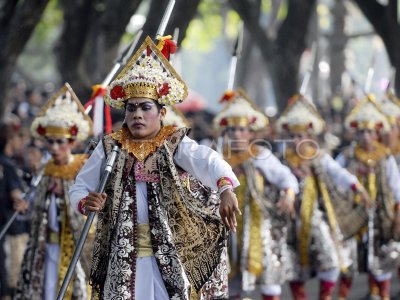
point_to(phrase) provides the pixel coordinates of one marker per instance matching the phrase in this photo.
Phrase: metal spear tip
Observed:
(128, 51)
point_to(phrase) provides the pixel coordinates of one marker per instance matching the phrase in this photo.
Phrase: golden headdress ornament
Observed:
(240, 110)
(390, 106)
(63, 116)
(148, 74)
(367, 115)
(300, 115)
(175, 118)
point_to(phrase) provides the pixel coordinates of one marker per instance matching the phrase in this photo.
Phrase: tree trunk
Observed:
(89, 43)
(178, 19)
(18, 20)
(288, 48)
(338, 41)
(384, 21)
(282, 56)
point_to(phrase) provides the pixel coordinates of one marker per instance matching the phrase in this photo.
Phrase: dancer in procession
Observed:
(390, 107)
(378, 250)
(157, 235)
(56, 226)
(258, 252)
(316, 239)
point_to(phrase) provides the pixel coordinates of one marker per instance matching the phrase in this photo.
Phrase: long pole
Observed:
(79, 246)
(8, 224)
(237, 50)
(27, 195)
(165, 19)
(306, 80)
(370, 75)
(120, 62)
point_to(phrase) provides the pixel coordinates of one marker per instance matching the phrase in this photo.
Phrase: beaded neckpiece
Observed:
(141, 149)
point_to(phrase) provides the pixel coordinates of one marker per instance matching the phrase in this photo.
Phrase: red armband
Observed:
(355, 187)
(223, 181)
(81, 207)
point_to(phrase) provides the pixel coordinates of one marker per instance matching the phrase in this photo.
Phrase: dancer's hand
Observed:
(19, 204)
(364, 197)
(94, 202)
(286, 202)
(229, 208)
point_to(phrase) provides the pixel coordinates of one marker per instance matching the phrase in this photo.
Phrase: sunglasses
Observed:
(56, 141)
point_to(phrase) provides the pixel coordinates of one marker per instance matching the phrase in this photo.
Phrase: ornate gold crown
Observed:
(148, 74)
(141, 90)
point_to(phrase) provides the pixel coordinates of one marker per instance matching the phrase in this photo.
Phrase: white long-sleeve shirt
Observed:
(275, 172)
(392, 174)
(339, 175)
(200, 161)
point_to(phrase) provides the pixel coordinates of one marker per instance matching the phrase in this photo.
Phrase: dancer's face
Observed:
(239, 138)
(59, 148)
(366, 138)
(143, 118)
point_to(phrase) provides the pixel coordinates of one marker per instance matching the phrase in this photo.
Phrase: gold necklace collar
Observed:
(141, 149)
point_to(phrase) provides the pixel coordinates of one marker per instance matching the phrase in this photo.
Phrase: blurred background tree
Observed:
(46, 43)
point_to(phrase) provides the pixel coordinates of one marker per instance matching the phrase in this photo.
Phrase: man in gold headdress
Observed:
(316, 238)
(266, 194)
(376, 169)
(159, 234)
(56, 226)
(390, 107)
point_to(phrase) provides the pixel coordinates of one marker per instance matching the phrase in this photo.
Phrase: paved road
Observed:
(358, 291)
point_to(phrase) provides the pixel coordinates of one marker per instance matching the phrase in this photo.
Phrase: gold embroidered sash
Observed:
(144, 241)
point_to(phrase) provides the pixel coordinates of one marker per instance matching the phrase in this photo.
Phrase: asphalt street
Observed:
(358, 291)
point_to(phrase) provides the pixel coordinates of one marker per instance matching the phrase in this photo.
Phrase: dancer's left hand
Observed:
(229, 208)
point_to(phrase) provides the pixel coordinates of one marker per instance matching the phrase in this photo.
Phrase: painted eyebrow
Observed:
(146, 101)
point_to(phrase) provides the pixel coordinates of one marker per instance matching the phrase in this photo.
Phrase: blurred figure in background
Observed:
(316, 241)
(258, 250)
(377, 247)
(55, 226)
(11, 191)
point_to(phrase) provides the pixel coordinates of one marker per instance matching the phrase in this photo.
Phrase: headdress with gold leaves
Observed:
(175, 118)
(148, 74)
(63, 116)
(390, 106)
(240, 110)
(300, 115)
(367, 115)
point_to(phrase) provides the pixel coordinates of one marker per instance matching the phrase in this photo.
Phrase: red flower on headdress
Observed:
(253, 120)
(285, 126)
(169, 48)
(379, 125)
(227, 96)
(310, 125)
(117, 92)
(41, 130)
(163, 89)
(73, 130)
(223, 122)
(354, 124)
(166, 46)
